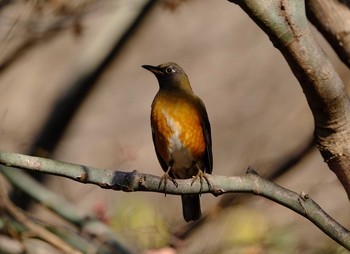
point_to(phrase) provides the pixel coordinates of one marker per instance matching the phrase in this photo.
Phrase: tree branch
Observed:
(286, 24)
(39, 231)
(135, 181)
(332, 19)
(85, 222)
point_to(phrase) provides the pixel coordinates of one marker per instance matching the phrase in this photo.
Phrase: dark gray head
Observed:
(170, 76)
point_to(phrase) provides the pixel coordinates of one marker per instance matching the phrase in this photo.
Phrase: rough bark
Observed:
(332, 19)
(286, 24)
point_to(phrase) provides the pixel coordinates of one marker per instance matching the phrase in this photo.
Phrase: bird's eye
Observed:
(168, 70)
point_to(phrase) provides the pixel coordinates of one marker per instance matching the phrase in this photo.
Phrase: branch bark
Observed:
(332, 19)
(135, 181)
(85, 222)
(286, 25)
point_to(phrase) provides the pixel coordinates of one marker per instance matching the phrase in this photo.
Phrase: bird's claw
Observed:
(164, 179)
(201, 175)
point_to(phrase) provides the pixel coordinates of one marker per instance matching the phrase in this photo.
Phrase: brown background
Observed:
(258, 113)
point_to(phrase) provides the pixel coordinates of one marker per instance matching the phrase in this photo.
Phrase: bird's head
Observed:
(170, 76)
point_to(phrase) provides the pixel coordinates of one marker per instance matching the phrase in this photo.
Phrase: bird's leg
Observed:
(165, 178)
(201, 175)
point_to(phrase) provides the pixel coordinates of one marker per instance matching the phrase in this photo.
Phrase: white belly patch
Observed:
(181, 157)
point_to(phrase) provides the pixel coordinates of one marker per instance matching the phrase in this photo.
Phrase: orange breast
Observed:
(176, 118)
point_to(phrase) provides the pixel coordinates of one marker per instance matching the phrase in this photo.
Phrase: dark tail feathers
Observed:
(191, 207)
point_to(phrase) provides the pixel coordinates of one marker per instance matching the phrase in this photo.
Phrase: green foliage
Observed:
(245, 226)
(140, 223)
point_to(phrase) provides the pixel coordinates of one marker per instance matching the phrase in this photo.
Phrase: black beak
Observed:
(154, 69)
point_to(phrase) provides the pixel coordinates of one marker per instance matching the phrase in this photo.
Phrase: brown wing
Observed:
(208, 159)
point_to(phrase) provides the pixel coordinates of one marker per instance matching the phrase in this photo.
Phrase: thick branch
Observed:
(135, 181)
(286, 24)
(332, 19)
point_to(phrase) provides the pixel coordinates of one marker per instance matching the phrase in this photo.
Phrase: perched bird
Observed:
(181, 132)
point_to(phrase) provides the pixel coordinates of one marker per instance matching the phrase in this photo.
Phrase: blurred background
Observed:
(258, 113)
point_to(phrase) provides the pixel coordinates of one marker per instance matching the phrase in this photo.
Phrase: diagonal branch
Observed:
(39, 231)
(135, 181)
(286, 25)
(332, 19)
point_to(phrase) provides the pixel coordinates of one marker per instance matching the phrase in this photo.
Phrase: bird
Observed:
(181, 133)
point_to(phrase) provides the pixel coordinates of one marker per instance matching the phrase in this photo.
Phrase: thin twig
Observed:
(36, 229)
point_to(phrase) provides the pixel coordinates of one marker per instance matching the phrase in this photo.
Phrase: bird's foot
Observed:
(165, 179)
(201, 175)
